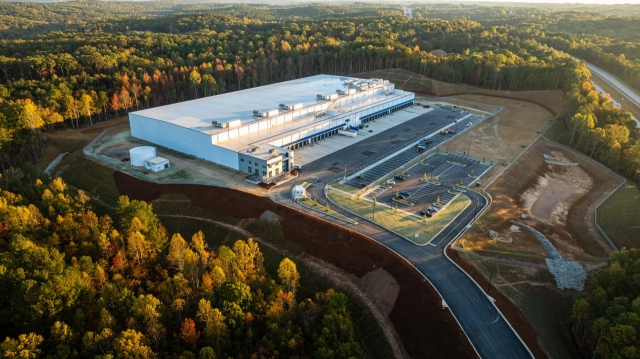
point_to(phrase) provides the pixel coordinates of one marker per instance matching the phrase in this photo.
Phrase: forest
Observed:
(607, 319)
(94, 70)
(75, 285)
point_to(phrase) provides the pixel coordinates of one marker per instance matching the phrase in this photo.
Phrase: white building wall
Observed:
(181, 139)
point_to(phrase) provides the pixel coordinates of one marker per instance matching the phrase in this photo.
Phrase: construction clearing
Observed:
(557, 200)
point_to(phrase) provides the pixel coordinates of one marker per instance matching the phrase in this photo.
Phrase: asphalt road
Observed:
(624, 89)
(487, 330)
(627, 93)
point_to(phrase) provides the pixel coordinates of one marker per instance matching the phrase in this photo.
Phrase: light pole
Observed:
(345, 171)
(374, 209)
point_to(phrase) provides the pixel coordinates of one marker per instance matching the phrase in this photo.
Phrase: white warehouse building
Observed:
(256, 130)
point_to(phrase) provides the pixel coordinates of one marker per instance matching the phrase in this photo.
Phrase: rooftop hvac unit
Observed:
(255, 149)
(296, 106)
(267, 113)
(273, 151)
(332, 96)
(321, 113)
(227, 124)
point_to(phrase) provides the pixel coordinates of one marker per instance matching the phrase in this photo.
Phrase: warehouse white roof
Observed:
(239, 105)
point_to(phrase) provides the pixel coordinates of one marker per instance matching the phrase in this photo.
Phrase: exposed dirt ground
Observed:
(71, 140)
(382, 288)
(425, 328)
(559, 202)
(504, 136)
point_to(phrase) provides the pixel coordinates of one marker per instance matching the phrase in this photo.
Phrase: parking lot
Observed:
(450, 169)
(389, 165)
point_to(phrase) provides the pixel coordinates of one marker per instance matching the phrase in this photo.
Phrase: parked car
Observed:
(405, 174)
(399, 178)
(391, 182)
(427, 213)
(426, 106)
(363, 185)
(404, 193)
(297, 167)
(433, 209)
(401, 197)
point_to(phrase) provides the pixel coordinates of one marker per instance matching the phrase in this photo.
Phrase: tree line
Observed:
(75, 285)
(88, 73)
(606, 320)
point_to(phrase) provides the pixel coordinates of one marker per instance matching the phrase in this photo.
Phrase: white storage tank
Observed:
(140, 154)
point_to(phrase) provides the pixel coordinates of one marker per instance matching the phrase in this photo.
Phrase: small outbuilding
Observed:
(157, 164)
(298, 192)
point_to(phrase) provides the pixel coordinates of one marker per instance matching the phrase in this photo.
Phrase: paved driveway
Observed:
(487, 330)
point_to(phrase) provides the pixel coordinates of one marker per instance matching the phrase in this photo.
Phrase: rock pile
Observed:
(568, 274)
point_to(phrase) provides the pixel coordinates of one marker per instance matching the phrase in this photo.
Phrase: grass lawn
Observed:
(344, 187)
(399, 221)
(549, 310)
(93, 178)
(317, 207)
(619, 216)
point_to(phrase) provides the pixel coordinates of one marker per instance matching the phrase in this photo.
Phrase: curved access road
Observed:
(488, 331)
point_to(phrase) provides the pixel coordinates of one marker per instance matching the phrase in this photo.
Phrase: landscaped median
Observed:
(399, 221)
(324, 209)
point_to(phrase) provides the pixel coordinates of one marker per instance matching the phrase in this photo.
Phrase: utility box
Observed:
(156, 164)
(298, 192)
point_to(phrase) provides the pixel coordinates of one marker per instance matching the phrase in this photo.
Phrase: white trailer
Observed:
(348, 133)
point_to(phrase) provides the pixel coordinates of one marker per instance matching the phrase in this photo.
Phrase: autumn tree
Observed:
(288, 274)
